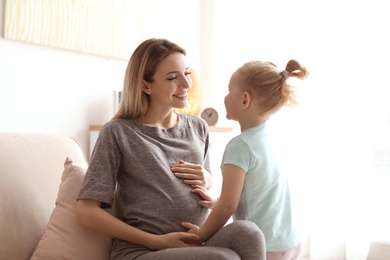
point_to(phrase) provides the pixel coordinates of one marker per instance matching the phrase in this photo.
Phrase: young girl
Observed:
(254, 188)
(144, 153)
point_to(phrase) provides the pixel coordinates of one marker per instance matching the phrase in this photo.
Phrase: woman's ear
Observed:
(246, 100)
(146, 88)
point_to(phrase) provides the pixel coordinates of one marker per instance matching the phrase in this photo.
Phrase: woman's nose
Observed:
(186, 82)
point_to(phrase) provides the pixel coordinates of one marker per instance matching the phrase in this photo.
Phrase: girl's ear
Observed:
(246, 100)
(146, 88)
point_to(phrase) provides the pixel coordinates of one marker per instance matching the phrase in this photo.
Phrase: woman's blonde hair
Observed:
(270, 85)
(142, 66)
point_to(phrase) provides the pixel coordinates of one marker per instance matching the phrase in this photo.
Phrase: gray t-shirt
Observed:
(136, 159)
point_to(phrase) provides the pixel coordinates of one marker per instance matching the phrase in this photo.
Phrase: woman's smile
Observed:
(183, 96)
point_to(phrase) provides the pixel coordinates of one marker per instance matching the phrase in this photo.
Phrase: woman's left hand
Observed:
(193, 174)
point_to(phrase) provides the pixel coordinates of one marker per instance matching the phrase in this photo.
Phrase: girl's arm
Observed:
(207, 201)
(232, 185)
(89, 214)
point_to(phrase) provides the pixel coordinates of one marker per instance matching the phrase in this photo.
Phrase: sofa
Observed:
(40, 176)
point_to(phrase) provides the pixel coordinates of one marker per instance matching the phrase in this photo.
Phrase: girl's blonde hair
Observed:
(142, 66)
(270, 85)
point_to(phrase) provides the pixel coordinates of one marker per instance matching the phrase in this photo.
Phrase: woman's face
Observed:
(233, 100)
(171, 83)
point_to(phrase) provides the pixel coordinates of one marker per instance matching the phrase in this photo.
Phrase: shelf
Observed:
(220, 129)
(95, 127)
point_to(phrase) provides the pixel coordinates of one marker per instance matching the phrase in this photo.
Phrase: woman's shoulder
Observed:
(113, 124)
(194, 121)
(196, 125)
(118, 125)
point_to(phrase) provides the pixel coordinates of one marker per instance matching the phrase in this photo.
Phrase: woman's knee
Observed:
(249, 239)
(247, 228)
(243, 237)
(192, 253)
(220, 254)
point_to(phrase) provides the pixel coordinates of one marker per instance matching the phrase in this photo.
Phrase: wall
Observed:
(50, 90)
(45, 89)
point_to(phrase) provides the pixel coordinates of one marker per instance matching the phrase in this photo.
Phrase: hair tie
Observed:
(285, 74)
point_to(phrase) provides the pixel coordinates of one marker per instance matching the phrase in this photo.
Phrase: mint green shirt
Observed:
(265, 199)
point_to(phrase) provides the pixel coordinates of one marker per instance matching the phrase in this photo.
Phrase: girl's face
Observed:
(171, 83)
(233, 100)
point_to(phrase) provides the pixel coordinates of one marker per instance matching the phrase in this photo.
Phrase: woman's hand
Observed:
(207, 200)
(89, 214)
(193, 174)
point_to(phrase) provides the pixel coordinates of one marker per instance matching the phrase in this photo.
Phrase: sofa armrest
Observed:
(31, 165)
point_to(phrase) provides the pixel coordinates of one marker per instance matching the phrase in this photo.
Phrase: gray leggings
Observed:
(237, 240)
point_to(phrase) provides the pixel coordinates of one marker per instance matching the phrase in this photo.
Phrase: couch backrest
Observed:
(31, 166)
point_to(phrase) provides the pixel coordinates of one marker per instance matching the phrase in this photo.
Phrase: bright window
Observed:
(339, 137)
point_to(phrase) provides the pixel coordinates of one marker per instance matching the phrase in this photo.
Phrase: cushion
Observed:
(63, 237)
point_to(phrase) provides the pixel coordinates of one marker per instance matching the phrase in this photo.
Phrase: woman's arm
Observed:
(232, 185)
(193, 174)
(89, 214)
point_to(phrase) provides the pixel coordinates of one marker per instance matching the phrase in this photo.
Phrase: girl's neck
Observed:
(249, 123)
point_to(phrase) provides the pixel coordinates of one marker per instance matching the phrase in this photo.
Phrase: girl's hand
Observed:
(193, 229)
(193, 174)
(207, 200)
(175, 239)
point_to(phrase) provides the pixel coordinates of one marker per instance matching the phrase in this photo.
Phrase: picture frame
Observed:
(86, 26)
(2, 18)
